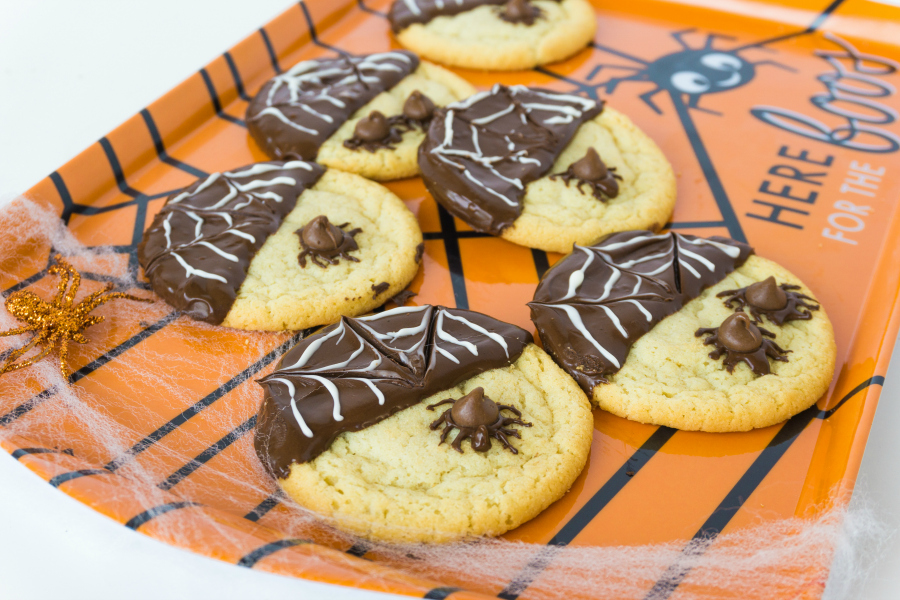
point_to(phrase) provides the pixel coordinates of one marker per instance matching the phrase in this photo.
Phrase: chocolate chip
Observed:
(766, 295)
(520, 11)
(590, 167)
(321, 235)
(380, 288)
(418, 107)
(420, 252)
(475, 410)
(373, 128)
(738, 334)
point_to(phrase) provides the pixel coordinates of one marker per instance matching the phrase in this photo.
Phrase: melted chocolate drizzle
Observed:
(297, 111)
(592, 172)
(594, 304)
(358, 372)
(402, 298)
(740, 341)
(780, 303)
(478, 418)
(480, 153)
(323, 241)
(197, 250)
(404, 13)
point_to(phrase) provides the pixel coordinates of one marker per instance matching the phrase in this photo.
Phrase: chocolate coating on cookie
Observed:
(358, 372)
(591, 171)
(197, 250)
(325, 243)
(594, 304)
(480, 153)
(404, 13)
(780, 303)
(739, 340)
(297, 111)
(520, 11)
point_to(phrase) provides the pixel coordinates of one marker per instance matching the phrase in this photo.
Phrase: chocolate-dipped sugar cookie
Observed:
(545, 169)
(280, 245)
(423, 424)
(649, 326)
(493, 35)
(366, 115)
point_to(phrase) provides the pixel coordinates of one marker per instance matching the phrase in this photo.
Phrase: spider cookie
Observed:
(545, 169)
(686, 332)
(423, 424)
(365, 115)
(280, 245)
(493, 35)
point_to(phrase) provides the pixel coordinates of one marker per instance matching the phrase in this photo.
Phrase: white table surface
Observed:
(71, 71)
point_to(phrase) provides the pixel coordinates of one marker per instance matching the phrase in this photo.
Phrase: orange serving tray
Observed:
(782, 123)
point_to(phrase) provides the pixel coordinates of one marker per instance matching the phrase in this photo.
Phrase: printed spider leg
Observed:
(694, 103)
(678, 36)
(775, 63)
(646, 97)
(711, 37)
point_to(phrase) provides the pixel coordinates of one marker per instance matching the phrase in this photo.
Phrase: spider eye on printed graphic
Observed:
(689, 72)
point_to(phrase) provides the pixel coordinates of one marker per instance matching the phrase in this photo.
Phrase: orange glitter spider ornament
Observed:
(58, 322)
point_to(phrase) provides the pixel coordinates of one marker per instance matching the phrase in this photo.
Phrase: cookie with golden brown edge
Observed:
(366, 115)
(423, 424)
(545, 169)
(280, 245)
(686, 332)
(493, 35)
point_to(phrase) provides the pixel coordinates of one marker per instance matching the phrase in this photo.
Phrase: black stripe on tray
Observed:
(454, 259)
(314, 35)
(207, 455)
(89, 368)
(236, 75)
(588, 512)
(440, 593)
(160, 147)
(743, 489)
(61, 479)
(18, 454)
(148, 515)
(371, 11)
(116, 167)
(201, 405)
(216, 102)
(263, 551)
(263, 508)
(273, 56)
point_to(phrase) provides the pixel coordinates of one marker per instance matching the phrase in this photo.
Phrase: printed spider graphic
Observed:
(477, 417)
(58, 322)
(689, 72)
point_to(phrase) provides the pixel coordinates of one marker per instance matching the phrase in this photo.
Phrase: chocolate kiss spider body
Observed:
(477, 417)
(56, 322)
